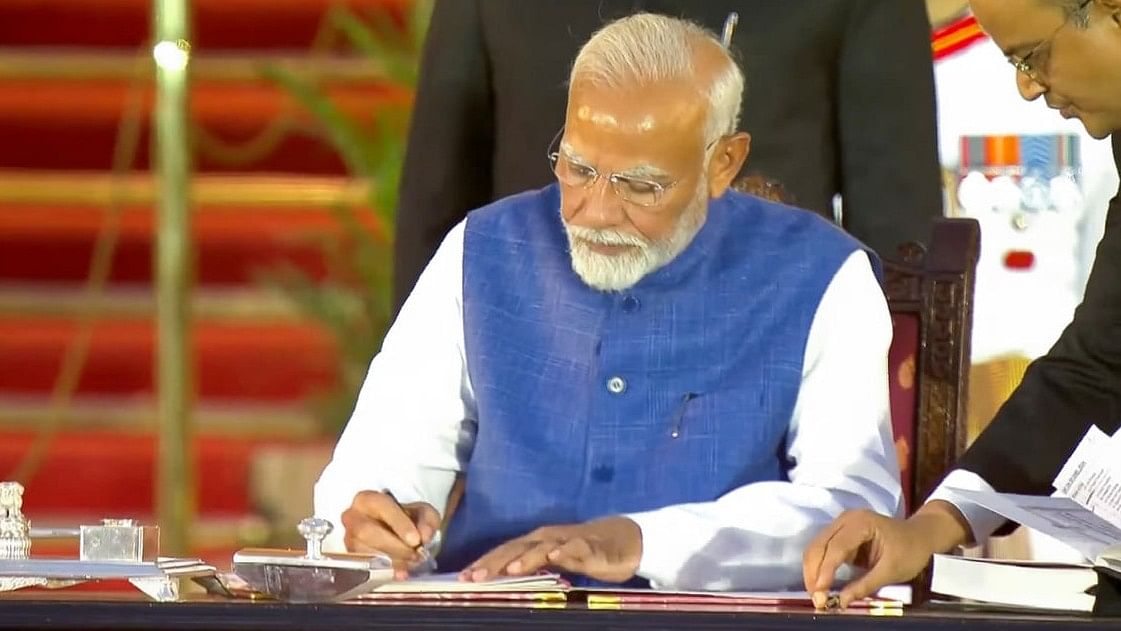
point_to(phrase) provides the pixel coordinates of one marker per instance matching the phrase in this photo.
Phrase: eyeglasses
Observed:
(635, 190)
(1033, 65)
(638, 191)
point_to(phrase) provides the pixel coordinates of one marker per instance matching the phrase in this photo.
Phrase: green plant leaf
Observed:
(381, 40)
(344, 134)
(354, 300)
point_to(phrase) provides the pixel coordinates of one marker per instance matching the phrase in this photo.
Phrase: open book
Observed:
(1085, 514)
(538, 587)
(548, 587)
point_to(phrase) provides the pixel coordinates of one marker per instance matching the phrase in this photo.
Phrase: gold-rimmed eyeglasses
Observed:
(1034, 64)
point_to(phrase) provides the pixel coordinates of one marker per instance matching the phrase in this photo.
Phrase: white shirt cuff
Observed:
(663, 556)
(982, 521)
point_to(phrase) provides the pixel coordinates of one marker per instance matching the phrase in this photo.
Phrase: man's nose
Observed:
(602, 207)
(1030, 89)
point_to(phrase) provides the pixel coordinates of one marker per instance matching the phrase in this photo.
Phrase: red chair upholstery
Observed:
(901, 361)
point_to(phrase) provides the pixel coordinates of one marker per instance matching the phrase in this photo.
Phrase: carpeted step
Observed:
(112, 474)
(243, 226)
(43, 128)
(233, 361)
(251, 420)
(223, 24)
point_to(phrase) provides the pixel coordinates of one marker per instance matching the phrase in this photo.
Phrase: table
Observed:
(120, 611)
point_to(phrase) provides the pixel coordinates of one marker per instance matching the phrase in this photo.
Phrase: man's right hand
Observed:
(891, 550)
(376, 523)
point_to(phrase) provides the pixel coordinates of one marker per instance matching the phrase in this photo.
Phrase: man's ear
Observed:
(1114, 9)
(731, 152)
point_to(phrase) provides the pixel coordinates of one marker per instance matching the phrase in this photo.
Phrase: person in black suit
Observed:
(840, 99)
(1065, 51)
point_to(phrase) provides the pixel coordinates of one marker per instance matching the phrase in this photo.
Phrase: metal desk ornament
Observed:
(113, 549)
(15, 530)
(311, 575)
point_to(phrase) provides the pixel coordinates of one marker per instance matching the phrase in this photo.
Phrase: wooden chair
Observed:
(930, 295)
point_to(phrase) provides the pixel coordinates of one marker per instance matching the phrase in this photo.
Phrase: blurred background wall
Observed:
(297, 117)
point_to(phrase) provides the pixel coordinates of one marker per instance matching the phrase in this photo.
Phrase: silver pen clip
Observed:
(679, 415)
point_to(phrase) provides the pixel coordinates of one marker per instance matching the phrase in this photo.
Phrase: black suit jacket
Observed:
(1076, 384)
(839, 99)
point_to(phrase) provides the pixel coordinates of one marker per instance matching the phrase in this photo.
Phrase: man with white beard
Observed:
(639, 375)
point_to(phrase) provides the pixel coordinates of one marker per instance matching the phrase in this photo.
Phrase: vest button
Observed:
(616, 385)
(630, 304)
(603, 473)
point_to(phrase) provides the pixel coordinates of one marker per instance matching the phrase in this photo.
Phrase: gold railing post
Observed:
(175, 480)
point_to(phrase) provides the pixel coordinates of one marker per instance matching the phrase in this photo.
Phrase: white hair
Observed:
(647, 48)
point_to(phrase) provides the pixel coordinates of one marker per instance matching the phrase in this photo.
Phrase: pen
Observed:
(729, 28)
(679, 415)
(420, 550)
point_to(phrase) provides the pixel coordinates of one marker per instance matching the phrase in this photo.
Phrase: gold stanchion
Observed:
(175, 480)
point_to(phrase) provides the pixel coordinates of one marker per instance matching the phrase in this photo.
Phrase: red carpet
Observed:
(61, 126)
(253, 361)
(233, 245)
(31, 112)
(112, 474)
(220, 24)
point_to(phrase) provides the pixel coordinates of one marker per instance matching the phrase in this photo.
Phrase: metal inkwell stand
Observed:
(311, 575)
(115, 549)
(123, 550)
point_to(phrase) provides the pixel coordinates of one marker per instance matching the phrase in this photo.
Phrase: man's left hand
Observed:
(606, 549)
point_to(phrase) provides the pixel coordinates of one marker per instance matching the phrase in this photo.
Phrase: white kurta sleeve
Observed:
(413, 425)
(839, 439)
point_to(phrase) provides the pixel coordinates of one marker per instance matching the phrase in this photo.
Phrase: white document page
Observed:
(1059, 517)
(1092, 475)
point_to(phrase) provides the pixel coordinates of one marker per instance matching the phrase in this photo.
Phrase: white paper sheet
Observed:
(1092, 475)
(1059, 517)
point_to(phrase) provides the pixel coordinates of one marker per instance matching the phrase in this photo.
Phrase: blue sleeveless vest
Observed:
(593, 403)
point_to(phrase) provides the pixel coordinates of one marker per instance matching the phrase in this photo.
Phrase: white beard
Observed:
(617, 272)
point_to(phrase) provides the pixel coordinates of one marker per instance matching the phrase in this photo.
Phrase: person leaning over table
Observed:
(643, 376)
(1069, 53)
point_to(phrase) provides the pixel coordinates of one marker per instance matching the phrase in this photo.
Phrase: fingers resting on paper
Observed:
(606, 549)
